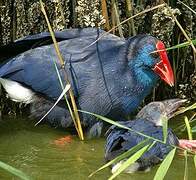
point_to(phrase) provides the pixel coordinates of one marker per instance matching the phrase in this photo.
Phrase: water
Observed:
(32, 150)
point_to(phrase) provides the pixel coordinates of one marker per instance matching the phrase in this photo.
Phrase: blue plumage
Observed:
(119, 140)
(149, 122)
(106, 76)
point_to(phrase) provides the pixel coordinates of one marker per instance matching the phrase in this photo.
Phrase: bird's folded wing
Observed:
(44, 38)
(35, 67)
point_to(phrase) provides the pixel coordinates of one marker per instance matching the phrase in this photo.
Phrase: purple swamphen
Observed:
(110, 77)
(149, 122)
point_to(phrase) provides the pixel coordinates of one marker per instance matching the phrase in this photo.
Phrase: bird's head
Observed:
(154, 111)
(142, 55)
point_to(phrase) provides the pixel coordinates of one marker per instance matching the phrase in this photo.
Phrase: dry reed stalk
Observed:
(117, 17)
(184, 33)
(74, 114)
(138, 14)
(105, 14)
(130, 13)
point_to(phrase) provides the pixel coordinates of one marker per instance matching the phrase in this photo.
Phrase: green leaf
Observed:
(183, 110)
(188, 127)
(162, 170)
(165, 127)
(186, 166)
(119, 125)
(129, 161)
(122, 156)
(193, 129)
(181, 45)
(14, 171)
(58, 74)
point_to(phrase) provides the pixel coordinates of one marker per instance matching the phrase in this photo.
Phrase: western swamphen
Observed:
(111, 77)
(149, 122)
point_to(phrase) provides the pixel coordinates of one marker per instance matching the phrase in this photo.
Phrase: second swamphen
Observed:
(110, 77)
(149, 122)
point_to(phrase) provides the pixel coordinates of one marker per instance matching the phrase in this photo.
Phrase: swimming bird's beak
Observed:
(172, 105)
(163, 68)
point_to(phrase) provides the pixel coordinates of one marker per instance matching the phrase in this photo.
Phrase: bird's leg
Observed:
(95, 130)
(187, 144)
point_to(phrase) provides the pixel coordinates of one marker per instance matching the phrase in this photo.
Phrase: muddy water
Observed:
(32, 150)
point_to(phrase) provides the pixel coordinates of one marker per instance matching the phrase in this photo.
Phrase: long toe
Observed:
(187, 144)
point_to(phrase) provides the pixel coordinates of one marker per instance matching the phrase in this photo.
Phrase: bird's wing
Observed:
(35, 68)
(117, 139)
(121, 140)
(44, 38)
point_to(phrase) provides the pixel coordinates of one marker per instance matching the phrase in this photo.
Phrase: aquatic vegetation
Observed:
(14, 171)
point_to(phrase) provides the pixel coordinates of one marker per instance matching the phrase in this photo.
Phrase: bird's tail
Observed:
(15, 48)
(58, 117)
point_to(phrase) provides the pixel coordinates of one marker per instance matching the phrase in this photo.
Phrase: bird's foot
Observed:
(63, 140)
(187, 144)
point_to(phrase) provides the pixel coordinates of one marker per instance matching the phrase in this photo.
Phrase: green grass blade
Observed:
(14, 171)
(181, 45)
(162, 170)
(66, 100)
(186, 166)
(188, 127)
(119, 125)
(58, 74)
(183, 110)
(122, 156)
(129, 161)
(184, 44)
(165, 127)
(194, 158)
(194, 129)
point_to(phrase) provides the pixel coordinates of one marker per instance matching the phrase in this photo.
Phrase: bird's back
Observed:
(121, 140)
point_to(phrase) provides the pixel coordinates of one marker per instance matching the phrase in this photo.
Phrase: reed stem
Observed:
(184, 33)
(105, 14)
(74, 114)
(117, 17)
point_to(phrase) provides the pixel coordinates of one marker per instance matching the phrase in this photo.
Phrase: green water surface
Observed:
(32, 150)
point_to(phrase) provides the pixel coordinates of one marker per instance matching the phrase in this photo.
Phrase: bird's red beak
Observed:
(163, 68)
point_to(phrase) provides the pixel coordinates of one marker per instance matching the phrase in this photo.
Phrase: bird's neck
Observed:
(145, 77)
(143, 81)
